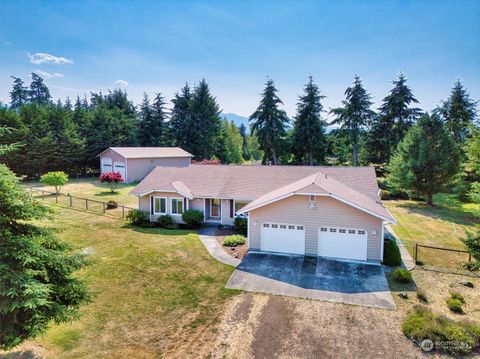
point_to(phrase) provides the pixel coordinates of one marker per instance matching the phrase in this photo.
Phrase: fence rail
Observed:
(440, 257)
(83, 203)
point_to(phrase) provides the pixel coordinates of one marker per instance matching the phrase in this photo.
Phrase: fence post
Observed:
(70, 197)
(123, 211)
(56, 197)
(469, 257)
(416, 253)
(86, 204)
(103, 207)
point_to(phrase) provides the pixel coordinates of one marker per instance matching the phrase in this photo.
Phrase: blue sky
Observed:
(158, 46)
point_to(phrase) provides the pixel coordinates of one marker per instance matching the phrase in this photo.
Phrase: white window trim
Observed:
(166, 205)
(171, 206)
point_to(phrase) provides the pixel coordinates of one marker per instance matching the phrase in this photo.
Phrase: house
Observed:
(134, 163)
(319, 211)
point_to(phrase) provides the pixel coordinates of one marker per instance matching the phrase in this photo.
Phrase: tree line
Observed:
(68, 136)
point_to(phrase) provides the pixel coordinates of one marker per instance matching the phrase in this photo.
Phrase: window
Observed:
(266, 225)
(312, 198)
(215, 208)
(282, 226)
(323, 229)
(351, 231)
(361, 232)
(177, 206)
(160, 205)
(274, 225)
(300, 228)
(231, 208)
(291, 227)
(333, 230)
(239, 205)
(343, 231)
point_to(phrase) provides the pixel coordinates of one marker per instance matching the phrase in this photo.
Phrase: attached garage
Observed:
(342, 242)
(283, 238)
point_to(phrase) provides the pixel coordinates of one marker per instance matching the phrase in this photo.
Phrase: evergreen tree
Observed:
(230, 143)
(354, 114)
(181, 119)
(159, 116)
(36, 281)
(146, 122)
(392, 123)
(269, 122)
(308, 139)
(39, 92)
(426, 160)
(243, 132)
(459, 112)
(205, 122)
(19, 93)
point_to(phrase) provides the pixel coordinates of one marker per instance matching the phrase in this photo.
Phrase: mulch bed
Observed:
(236, 252)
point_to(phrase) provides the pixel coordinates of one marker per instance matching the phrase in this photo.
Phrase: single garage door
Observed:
(106, 165)
(340, 242)
(120, 167)
(283, 238)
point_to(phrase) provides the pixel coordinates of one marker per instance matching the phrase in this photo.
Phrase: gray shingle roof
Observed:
(150, 152)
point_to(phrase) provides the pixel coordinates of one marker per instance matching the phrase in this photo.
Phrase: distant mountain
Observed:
(237, 119)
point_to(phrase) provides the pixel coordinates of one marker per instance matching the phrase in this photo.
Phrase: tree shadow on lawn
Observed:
(20, 354)
(161, 231)
(107, 193)
(455, 215)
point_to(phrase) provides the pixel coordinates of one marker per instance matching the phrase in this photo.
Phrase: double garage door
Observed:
(108, 166)
(336, 242)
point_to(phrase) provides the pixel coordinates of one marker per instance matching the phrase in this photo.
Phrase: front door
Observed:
(215, 208)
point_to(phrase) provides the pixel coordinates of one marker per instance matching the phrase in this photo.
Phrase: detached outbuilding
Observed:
(134, 163)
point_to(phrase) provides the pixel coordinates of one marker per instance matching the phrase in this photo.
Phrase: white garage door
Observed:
(120, 167)
(340, 242)
(106, 165)
(283, 238)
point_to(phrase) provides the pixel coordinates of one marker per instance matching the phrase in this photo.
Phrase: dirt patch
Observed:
(243, 309)
(237, 251)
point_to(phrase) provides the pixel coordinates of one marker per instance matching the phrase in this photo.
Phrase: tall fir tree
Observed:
(159, 116)
(181, 119)
(355, 114)
(308, 139)
(459, 112)
(146, 123)
(19, 95)
(269, 124)
(205, 122)
(243, 132)
(39, 92)
(395, 117)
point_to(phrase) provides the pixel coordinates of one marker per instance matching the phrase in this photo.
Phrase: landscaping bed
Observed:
(238, 251)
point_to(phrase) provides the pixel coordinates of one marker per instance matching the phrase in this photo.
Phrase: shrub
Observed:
(455, 305)
(147, 224)
(165, 220)
(457, 295)
(112, 204)
(171, 226)
(422, 296)
(391, 254)
(241, 225)
(473, 246)
(192, 217)
(136, 217)
(402, 275)
(56, 179)
(235, 240)
(422, 323)
(112, 179)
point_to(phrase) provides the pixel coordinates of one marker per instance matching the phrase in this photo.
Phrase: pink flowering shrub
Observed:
(112, 179)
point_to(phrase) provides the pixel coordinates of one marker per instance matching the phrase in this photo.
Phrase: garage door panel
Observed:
(341, 242)
(106, 165)
(283, 238)
(120, 168)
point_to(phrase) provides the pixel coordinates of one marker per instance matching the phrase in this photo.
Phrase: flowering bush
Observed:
(112, 179)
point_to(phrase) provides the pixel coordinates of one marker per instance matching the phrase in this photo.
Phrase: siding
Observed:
(328, 212)
(138, 168)
(226, 220)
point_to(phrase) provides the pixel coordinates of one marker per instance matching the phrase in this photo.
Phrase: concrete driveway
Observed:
(314, 278)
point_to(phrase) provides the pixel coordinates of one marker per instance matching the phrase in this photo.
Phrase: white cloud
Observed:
(121, 83)
(48, 75)
(7, 43)
(43, 58)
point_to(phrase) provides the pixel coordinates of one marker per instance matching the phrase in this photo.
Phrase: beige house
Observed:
(318, 211)
(134, 163)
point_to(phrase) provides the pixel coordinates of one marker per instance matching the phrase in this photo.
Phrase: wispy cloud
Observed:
(48, 75)
(7, 43)
(121, 83)
(43, 58)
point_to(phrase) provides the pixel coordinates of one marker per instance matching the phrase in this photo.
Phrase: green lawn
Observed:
(154, 290)
(443, 225)
(93, 189)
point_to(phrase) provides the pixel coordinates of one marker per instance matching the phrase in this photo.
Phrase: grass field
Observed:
(443, 225)
(154, 290)
(93, 189)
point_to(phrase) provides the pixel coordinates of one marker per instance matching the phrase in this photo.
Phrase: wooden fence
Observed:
(87, 204)
(441, 257)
